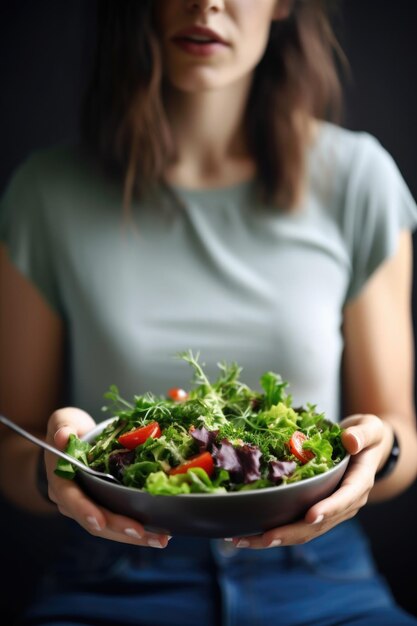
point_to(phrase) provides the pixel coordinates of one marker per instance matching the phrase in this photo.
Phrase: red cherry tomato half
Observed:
(134, 438)
(204, 460)
(296, 447)
(177, 394)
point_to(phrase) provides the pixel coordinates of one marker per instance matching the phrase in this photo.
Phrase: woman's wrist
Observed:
(41, 477)
(19, 460)
(394, 454)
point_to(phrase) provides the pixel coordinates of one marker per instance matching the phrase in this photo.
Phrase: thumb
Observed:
(352, 440)
(67, 421)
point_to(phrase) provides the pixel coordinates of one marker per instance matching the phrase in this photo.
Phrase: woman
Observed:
(253, 231)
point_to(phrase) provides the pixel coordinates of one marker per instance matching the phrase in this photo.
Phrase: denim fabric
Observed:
(330, 581)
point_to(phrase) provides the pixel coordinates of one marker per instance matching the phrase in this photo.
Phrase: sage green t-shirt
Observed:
(220, 274)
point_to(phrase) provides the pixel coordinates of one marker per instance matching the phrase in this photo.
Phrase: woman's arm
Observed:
(378, 389)
(32, 346)
(31, 380)
(379, 363)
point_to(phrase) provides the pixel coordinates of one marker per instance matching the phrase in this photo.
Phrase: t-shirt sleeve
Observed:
(379, 205)
(26, 231)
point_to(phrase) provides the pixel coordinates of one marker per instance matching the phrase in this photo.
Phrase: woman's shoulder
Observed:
(369, 198)
(346, 144)
(355, 160)
(50, 163)
(53, 178)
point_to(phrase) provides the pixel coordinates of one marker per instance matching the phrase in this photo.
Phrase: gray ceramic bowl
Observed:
(213, 515)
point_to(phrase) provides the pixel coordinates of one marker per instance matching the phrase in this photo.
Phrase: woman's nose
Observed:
(205, 6)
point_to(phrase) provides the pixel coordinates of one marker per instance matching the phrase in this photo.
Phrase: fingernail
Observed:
(274, 543)
(154, 543)
(357, 439)
(92, 521)
(227, 539)
(59, 430)
(169, 537)
(318, 519)
(242, 543)
(131, 532)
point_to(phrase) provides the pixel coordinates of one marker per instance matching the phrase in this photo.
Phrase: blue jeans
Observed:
(330, 581)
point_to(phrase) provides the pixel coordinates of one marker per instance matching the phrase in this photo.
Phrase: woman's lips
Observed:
(199, 41)
(198, 49)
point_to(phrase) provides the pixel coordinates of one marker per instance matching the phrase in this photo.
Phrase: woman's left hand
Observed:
(368, 439)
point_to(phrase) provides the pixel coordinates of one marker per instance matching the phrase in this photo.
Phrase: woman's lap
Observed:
(328, 582)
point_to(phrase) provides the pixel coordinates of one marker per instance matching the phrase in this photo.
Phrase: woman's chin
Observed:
(199, 81)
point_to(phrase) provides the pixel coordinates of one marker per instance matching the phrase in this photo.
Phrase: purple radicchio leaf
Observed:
(118, 461)
(204, 438)
(242, 462)
(226, 457)
(250, 458)
(278, 469)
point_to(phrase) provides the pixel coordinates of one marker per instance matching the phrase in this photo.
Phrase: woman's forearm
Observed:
(405, 470)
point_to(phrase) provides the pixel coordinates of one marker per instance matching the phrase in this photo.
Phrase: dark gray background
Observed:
(45, 55)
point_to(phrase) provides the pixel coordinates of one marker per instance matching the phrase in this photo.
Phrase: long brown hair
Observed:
(124, 123)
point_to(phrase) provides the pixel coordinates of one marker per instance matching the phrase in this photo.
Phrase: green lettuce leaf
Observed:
(79, 450)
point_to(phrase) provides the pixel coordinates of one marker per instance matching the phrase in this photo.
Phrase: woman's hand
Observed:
(73, 503)
(368, 439)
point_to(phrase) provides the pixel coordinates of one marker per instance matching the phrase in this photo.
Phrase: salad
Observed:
(219, 436)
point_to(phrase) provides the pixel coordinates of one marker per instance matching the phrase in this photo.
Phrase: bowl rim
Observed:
(264, 490)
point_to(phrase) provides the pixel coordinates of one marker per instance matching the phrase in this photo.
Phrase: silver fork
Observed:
(39, 442)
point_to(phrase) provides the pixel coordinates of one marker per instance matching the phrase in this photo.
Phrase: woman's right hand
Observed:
(71, 500)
